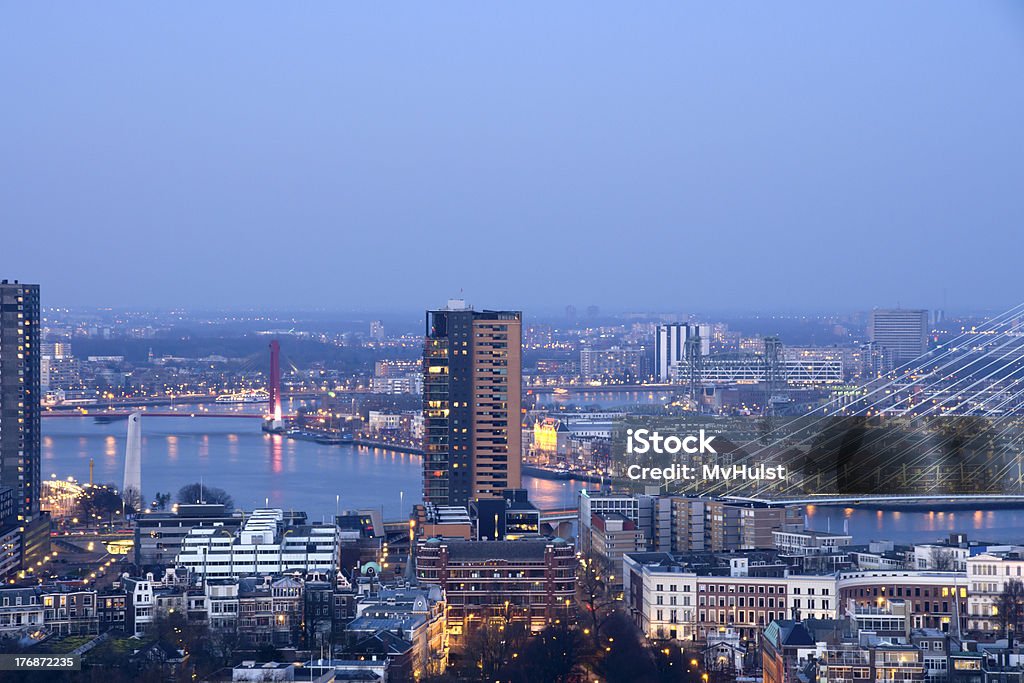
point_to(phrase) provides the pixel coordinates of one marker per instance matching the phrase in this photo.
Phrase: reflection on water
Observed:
(866, 524)
(254, 467)
(603, 400)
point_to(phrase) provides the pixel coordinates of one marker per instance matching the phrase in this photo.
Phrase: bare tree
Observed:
(491, 646)
(593, 592)
(1011, 608)
(943, 559)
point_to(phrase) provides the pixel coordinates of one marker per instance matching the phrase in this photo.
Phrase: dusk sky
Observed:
(638, 156)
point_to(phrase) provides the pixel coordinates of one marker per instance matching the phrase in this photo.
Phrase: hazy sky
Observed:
(648, 155)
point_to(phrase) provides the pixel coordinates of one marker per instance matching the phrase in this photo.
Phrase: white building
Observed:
(21, 612)
(264, 545)
(661, 596)
(987, 575)
(808, 542)
(941, 556)
(667, 601)
(378, 419)
(813, 597)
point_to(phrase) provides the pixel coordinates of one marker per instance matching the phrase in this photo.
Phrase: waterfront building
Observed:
(687, 524)
(263, 545)
(674, 343)
(158, 535)
(879, 555)
(472, 384)
(808, 371)
(531, 581)
(814, 550)
(901, 331)
(950, 555)
(442, 521)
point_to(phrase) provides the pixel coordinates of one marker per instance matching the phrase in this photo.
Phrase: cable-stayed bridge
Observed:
(947, 425)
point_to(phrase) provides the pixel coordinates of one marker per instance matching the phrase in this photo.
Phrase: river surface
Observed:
(254, 467)
(259, 469)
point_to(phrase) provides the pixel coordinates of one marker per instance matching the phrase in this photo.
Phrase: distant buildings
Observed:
(674, 342)
(623, 364)
(472, 379)
(903, 332)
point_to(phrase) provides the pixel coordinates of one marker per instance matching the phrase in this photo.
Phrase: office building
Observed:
(903, 332)
(20, 398)
(532, 582)
(672, 344)
(264, 545)
(472, 384)
(158, 535)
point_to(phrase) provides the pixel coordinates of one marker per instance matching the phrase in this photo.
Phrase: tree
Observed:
(493, 644)
(552, 656)
(1010, 605)
(943, 559)
(593, 592)
(162, 500)
(198, 493)
(99, 500)
(625, 655)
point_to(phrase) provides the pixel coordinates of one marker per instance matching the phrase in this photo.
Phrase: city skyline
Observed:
(605, 150)
(548, 343)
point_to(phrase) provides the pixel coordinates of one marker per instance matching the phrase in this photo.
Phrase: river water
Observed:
(259, 469)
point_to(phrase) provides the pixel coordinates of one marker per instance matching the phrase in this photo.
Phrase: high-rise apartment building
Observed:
(472, 369)
(20, 412)
(902, 332)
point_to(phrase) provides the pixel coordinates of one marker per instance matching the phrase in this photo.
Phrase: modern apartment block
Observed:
(20, 396)
(472, 385)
